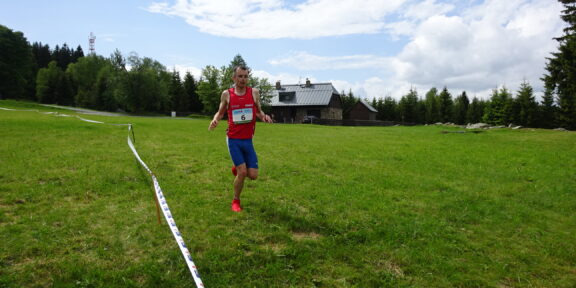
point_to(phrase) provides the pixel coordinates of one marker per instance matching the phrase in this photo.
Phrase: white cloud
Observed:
(273, 19)
(495, 43)
(426, 9)
(488, 45)
(306, 61)
(183, 69)
(415, 13)
(474, 47)
(285, 78)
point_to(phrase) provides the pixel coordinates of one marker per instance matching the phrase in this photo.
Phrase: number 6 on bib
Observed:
(241, 116)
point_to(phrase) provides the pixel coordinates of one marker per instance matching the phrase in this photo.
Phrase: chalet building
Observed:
(363, 111)
(295, 103)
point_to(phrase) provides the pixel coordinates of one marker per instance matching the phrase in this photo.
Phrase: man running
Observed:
(242, 104)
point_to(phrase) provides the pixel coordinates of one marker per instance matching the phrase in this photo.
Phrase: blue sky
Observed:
(375, 48)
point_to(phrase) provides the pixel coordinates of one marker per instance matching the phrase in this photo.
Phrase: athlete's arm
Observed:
(224, 99)
(260, 114)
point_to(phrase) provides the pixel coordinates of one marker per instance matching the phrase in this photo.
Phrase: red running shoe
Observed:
(234, 170)
(236, 205)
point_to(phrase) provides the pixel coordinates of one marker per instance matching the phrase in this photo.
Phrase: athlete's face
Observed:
(240, 78)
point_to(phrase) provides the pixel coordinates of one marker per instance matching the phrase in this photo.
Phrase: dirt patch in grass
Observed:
(276, 248)
(302, 236)
(394, 268)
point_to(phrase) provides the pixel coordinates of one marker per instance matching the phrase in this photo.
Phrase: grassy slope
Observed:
(334, 206)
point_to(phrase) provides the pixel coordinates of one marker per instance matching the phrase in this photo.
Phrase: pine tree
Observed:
(62, 56)
(498, 110)
(379, 106)
(408, 107)
(389, 109)
(494, 109)
(432, 114)
(461, 107)
(77, 54)
(527, 105)
(420, 111)
(508, 109)
(547, 112)
(41, 54)
(190, 86)
(561, 67)
(446, 106)
(177, 93)
(348, 102)
(475, 111)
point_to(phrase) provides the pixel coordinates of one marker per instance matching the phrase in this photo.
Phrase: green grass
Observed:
(333, 207)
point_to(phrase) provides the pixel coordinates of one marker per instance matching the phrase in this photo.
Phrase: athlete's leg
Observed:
(239, 180)
(253, 173)
(251, 161)
(235, 149)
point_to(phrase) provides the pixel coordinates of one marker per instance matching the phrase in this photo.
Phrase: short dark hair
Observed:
(241, 67)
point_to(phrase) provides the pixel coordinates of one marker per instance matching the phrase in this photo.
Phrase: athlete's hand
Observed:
(267, 119)
(213, 124)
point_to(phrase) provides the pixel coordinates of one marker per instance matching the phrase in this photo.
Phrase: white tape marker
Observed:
(159, 197)
(168, 216)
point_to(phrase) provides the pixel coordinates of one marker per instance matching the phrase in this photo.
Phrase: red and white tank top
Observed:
(241, 115)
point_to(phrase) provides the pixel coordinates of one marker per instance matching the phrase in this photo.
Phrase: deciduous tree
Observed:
(16, 65)
(209, 89)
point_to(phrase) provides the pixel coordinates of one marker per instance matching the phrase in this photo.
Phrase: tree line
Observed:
(116, 83)
(503, 108)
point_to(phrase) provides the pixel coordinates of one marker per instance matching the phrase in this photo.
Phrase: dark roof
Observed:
(372, 109)
(318, 94)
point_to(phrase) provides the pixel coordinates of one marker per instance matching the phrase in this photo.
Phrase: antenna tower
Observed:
(92, 41)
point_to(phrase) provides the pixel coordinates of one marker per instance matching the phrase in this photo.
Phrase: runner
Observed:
(242, 104)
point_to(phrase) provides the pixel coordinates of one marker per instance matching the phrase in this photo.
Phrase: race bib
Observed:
(241, 116)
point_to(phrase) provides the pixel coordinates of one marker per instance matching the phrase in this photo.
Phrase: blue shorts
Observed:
(242, 151)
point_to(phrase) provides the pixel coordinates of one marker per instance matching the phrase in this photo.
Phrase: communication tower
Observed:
(92, 41)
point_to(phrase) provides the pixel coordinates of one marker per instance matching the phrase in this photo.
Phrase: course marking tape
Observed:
(158, 193)
(169, 219)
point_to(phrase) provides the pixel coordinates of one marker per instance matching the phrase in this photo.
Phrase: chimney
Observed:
(278, 86)
(308, 84)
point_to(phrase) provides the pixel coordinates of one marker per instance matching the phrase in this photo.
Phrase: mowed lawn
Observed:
(333, 207)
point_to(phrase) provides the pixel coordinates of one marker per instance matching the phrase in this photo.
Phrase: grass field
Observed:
(333, 207)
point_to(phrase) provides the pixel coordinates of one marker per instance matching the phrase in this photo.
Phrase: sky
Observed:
(374, 48)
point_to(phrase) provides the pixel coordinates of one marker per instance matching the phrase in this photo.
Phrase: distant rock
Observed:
(560, 129)
(477, 126)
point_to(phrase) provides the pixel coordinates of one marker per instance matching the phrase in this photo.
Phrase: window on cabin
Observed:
(286, 96)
